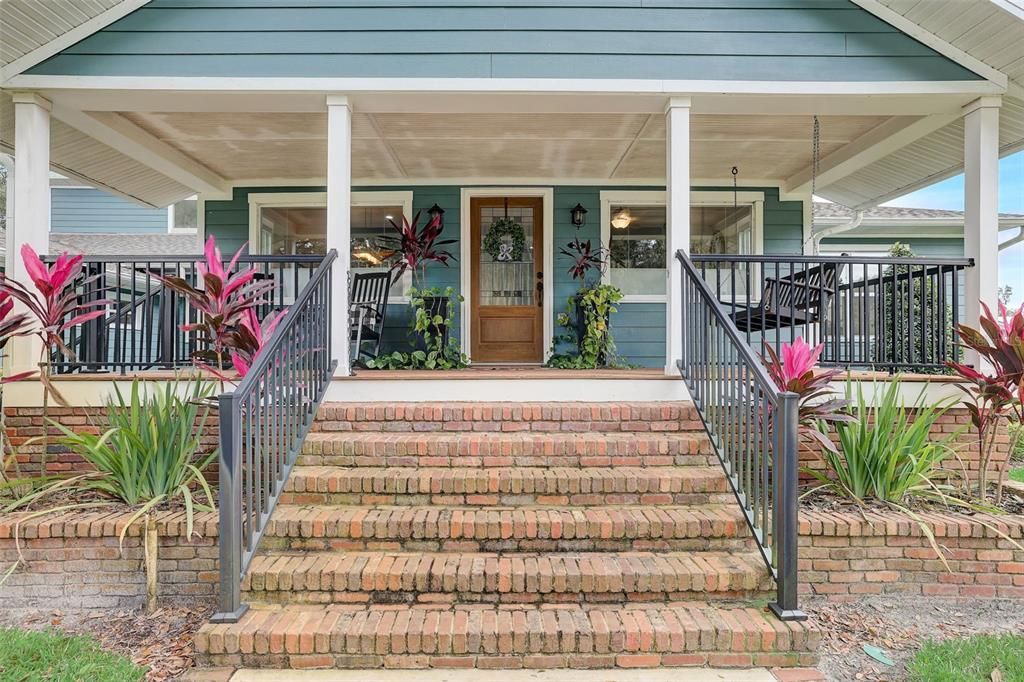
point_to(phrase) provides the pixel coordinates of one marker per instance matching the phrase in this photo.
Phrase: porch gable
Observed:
(775, 40)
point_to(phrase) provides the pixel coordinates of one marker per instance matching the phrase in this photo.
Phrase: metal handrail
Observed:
(148, 328)
(753, 427)
(886, 313)
(263, 423)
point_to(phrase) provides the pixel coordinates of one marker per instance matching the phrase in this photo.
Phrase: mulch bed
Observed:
(826, 501)
(162, 641)
(899, 625)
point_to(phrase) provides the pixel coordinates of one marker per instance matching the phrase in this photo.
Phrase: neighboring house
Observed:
(927, 231)
(687, 138)
(88, 220)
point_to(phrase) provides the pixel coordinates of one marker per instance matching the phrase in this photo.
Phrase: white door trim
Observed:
(547, 194)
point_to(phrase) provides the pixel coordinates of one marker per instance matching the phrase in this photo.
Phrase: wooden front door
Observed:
(507, 301)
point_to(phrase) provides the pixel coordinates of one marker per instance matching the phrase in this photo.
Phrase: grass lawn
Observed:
(55, 657)
(1017, 474)
(969, 660)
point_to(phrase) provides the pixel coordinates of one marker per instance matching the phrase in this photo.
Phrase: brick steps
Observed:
(605, 417)
(473, 450)
(507, 535)
(388, 577)
(506, 486)
(525, 529)
(553, 636)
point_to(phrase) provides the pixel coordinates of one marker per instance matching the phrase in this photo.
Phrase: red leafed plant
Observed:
(53, 308)
(585, 258)
(416, 246)
(222, 302)
(795, 371)
(251, 337)
(994, 393)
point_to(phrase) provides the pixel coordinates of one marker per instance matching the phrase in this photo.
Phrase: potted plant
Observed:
(416, 247)
(591, 307)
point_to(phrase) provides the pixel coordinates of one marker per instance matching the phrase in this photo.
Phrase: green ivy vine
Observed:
(597, 347)
(436, 353)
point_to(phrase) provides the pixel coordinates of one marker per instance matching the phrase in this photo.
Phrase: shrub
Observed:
(150, 453)
(887, 455)
(794, 370)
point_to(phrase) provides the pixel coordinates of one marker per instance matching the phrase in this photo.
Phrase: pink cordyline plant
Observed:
(795, 371)
(251, 338)
(994, 392)
(53, 308)
(222, 303)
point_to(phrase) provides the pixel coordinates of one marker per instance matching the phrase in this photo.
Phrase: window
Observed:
(634, 230)
(183, 216)
(296, 224)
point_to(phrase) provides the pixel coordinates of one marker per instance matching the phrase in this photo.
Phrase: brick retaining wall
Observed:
(847, 554)
(74, 560)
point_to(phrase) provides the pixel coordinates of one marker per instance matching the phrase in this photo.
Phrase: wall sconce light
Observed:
(579, 216)
(435, 211)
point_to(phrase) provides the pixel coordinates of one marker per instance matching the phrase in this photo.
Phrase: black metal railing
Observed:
(752, 425)
(263, 423)
(142, 329)
(888, 314)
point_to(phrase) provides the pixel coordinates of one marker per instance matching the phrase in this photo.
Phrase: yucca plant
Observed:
(150, 455)
(890, 456)
(888, 453)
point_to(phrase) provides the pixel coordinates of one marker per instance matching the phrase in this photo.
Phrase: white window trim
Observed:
(171, 229)
(260, 200)
(657, 198)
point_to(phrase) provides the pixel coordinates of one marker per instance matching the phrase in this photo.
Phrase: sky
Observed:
(949, 194)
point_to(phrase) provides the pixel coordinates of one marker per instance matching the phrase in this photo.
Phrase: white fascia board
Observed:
(438, 86)
(118, 132)
(870, 147)
(66, 40)
(943, 47)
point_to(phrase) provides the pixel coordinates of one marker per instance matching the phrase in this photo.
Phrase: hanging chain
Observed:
(735, 190)
(816, 157)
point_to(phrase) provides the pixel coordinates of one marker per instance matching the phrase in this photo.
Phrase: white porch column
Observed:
(29, 219)
(339, 216)
(981, 205)
(677, 192)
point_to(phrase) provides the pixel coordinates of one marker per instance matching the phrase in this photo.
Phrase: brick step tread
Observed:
(508, 573)
(536, 416)
(494, 523)
(459, 448)
(647, 484)
(301, 631)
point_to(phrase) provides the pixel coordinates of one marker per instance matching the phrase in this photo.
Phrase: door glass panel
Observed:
(504, 281)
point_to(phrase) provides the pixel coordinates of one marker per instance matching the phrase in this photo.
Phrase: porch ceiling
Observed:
(243, 147)
(75, 154)
(987, 30)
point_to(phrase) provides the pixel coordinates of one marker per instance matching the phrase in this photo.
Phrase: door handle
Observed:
(540, 293)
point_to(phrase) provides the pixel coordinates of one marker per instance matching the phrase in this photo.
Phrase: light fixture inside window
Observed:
(621, 220)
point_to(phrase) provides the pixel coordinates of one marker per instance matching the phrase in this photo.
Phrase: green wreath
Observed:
(495, 239)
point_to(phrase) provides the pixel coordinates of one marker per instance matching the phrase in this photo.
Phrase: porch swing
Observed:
(798, 298)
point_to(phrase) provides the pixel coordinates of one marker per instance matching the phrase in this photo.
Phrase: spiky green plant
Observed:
(888, 453)
(149, 454)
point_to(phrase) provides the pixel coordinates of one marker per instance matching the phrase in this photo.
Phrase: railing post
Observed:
(230, 607)
(785, 526)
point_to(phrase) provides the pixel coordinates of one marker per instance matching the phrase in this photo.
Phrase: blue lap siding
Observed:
(766, 40)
